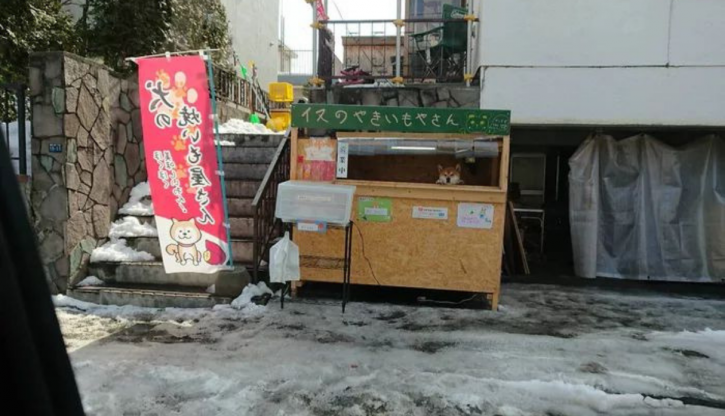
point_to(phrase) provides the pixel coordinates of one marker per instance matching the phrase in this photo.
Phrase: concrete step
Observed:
(241, 188)
(251, 140)
(245, 171)
(149, 296)
(143, 219)
(153, 273)
(242, 227)
(240, 207)
(242, 249)
(248, 154)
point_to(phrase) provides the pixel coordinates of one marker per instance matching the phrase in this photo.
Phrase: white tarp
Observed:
(640, 209)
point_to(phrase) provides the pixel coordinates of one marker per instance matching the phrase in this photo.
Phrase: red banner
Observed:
(321, 14)
(182, 164)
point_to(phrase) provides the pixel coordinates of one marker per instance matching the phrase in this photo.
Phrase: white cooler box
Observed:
(314, 201)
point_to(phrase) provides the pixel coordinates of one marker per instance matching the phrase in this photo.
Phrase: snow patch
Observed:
(91, 281)
(224, 143)
(138, 202)
(131, 227)
(239, 126)
(118, 251)
(245, 299)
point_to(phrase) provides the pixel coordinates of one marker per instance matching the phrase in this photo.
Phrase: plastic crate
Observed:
(281, 92)
(314, 201)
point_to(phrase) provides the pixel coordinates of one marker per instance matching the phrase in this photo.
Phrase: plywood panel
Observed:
(409, 252)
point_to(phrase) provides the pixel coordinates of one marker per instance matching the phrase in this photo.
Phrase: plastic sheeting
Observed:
(640, 209)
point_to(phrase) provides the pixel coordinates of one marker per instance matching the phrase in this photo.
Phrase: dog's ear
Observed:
(458, 168)
(440, 169)
(193, 220)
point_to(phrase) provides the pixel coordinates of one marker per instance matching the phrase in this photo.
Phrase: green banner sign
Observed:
(401, 119)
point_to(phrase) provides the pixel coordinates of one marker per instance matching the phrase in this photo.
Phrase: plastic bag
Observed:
(284, 261)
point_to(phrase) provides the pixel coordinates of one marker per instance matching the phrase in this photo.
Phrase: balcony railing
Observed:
(295, 62)
(428, 49)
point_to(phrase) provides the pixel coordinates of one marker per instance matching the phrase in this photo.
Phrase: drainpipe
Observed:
(470, 17)
(398, 29)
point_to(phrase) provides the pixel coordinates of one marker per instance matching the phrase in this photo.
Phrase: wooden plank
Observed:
(459, 193)
(505, 159)
(519, 241)
(410, 252)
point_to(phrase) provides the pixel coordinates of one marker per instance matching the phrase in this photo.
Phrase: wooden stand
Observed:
(413, 252)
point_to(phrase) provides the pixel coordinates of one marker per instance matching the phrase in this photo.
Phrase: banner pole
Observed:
(217, 143)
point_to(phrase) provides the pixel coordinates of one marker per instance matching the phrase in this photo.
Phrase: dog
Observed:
(186, 234)
(449, 176)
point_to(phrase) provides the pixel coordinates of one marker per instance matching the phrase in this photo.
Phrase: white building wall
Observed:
(604, 62)
(254, 26)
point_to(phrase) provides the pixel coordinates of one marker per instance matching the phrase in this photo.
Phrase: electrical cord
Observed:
(362, 242)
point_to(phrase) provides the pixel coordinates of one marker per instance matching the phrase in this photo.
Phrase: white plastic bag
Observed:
(284, 261)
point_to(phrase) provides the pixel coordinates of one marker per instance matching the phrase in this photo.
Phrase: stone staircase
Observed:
(144, 283)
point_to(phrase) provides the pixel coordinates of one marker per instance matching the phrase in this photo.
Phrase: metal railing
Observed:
(14, 113)
(233, 88)
(374, 47)
(295, 62)
(266, 227)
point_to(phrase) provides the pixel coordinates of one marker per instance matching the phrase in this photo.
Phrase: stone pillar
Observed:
(87, 155)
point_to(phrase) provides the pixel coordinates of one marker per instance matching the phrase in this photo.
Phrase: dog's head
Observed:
(449, 175)
(185, 232)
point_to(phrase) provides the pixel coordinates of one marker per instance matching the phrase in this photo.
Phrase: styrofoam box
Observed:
(313, 201)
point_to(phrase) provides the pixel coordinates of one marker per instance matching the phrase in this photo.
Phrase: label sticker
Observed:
(312, 226)
(342, 151)
(55, 148)
(475, 216)
(430, 213)
(374, 209)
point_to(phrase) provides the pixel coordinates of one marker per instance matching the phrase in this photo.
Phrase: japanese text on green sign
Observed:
(402, 119)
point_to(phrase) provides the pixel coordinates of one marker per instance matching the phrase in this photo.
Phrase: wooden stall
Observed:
(409, 229)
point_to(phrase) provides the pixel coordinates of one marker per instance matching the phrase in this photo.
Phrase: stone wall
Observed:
(415, 95)
(87, 154)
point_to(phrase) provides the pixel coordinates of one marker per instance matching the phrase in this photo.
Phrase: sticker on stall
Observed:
(430, 213)
(475, 216)
(374, 209)
(312, 226)
(342, 156)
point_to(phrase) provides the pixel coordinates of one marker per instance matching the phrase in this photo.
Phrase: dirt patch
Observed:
(149, 333)
(355, 323)
(593, 368)
(333, 338)
(387, 317)
(432, 347)
(687, 353)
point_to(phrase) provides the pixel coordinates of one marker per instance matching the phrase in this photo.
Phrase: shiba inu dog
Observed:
(186, 234)
(449, 176)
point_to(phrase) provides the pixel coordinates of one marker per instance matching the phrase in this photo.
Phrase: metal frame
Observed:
(263, 205)
(346, 265)
(19, 91)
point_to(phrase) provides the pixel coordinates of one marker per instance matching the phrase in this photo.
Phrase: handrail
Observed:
(263, 204)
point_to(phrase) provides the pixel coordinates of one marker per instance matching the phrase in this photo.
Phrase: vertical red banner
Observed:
(181, 162)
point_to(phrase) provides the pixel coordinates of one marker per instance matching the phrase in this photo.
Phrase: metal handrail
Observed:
(263, 205)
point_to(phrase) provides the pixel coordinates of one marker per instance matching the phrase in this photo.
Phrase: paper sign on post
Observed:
(342, 151)
(475, 216)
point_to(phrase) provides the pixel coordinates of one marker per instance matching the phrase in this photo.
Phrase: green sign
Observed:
(401, 119)
(374, 209)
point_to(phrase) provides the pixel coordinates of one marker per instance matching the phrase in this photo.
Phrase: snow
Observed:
(239, 126)
(551, 350)
(139, 202)
(91, 281)
(225, 143)
(116, 250)
(131, 227)
(250, 291)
